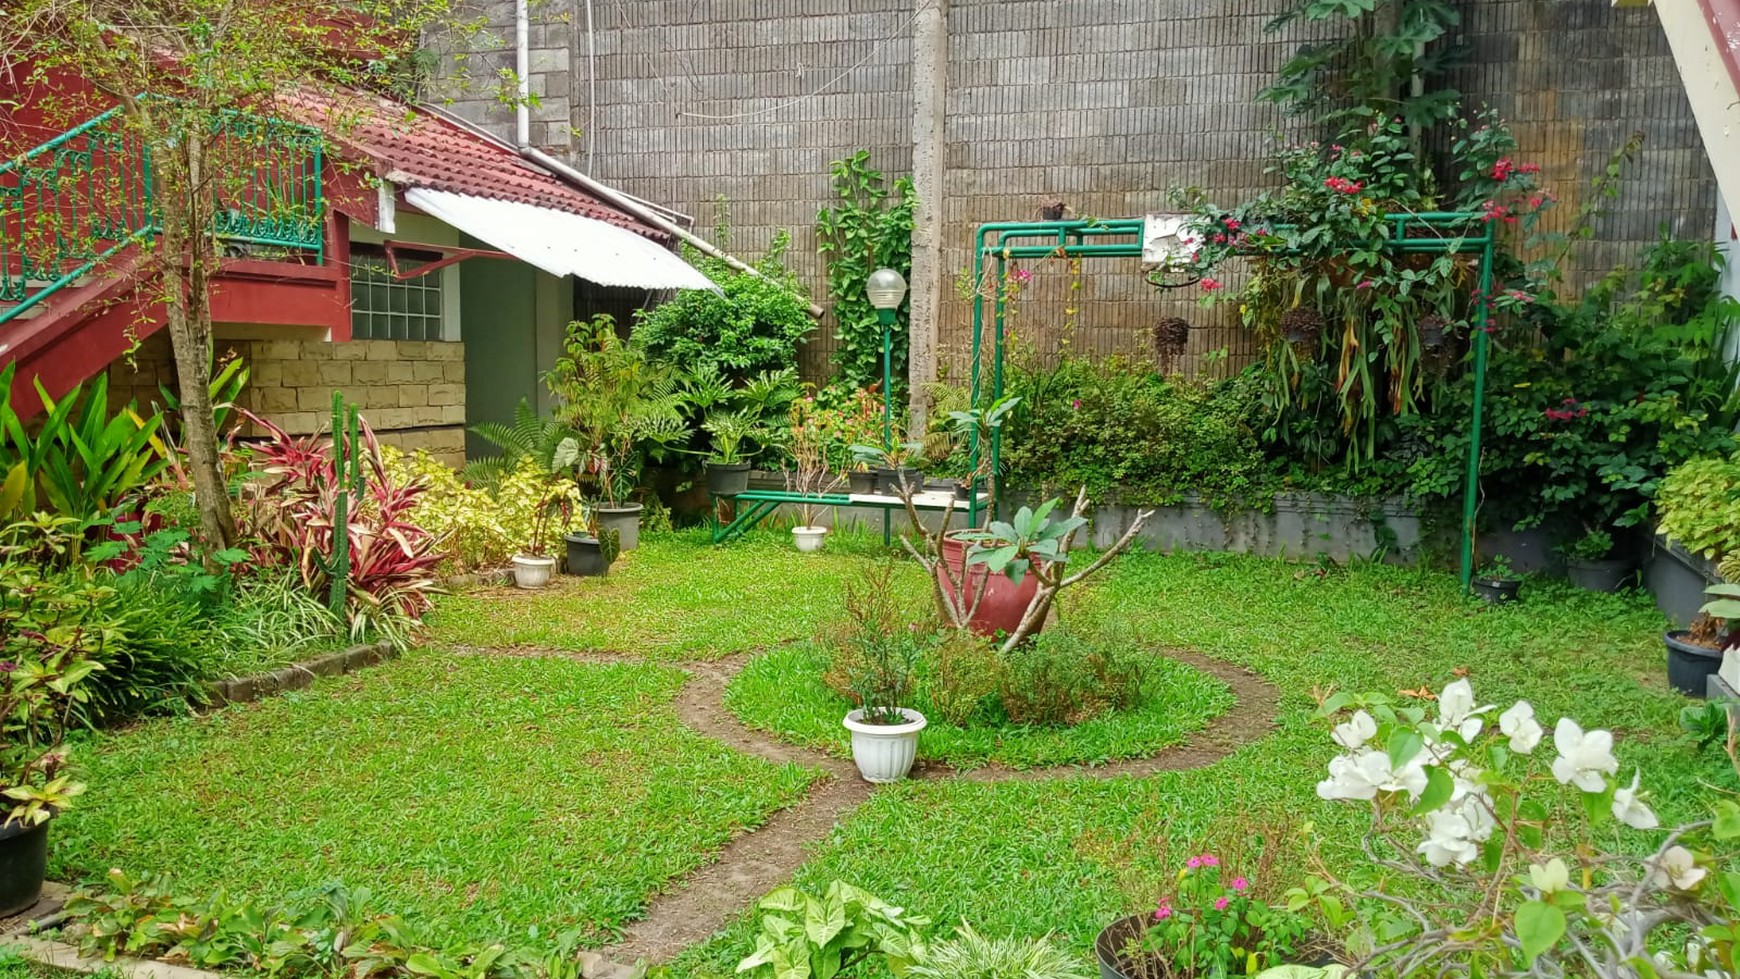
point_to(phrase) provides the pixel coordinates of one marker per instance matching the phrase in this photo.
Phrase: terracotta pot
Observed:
(1004, 602)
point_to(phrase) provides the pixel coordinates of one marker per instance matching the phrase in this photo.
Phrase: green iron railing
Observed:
(73, 202)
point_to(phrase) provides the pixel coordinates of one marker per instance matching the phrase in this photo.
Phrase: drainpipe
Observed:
(622, 202)
(523, 69)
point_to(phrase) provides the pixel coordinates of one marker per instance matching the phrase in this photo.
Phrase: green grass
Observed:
(14, 965)
(1028, 858)
(484, 794)
(782, 692)
(675, 596)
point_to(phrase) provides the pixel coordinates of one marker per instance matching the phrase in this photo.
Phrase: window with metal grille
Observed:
(385, 308)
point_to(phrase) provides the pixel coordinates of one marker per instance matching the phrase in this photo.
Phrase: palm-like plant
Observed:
(615, 401)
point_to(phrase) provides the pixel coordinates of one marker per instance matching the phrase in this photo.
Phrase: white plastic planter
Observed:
(533, 572)
(884, 752)
(809, 539)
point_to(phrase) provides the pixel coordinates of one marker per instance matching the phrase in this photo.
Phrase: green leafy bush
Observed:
(1064, 678)
(467, 519)
(803, 936)
(1699, 504)
(752, 324)
(77, 459)
(1126, 432)
(869, 227)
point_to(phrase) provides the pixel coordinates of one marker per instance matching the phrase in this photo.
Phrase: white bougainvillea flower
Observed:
(1456, 710)
(1631, 811)
(1678, 867)
(1450, 838)
(1550, 877)
(1354, 732)
(1364, 775)
(1585, 759)
(1519, 725)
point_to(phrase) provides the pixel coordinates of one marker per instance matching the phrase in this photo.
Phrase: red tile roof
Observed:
(416, 148)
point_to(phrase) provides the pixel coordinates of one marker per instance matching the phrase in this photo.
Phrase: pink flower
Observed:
(1163, 912)
(1023, 276)
(1366, 284)
(1193, 862)
(1210, 860)
(1240, 884)
(1076, 403)
(1220, 904)
(1210, 284)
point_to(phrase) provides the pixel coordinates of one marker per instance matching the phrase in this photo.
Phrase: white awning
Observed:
(561, 243)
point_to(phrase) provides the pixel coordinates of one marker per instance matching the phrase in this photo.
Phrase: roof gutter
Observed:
(617, 199)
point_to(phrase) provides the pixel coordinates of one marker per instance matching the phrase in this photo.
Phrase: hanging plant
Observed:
(1171, 335)
(1302, 327)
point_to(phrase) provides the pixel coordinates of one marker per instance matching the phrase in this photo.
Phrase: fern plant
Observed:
(970, 955)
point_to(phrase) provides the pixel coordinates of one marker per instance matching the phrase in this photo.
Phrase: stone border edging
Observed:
(298, 676)
(60, 955)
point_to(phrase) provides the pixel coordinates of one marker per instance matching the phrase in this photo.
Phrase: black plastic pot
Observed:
(1690, 667)
(1497, 591)
(727, 478)
(888, 480)
(861, 481)
(964, 492)
(586, 556)
(23, 858)
(625, 520)
(1607, 575)
(1109, 946)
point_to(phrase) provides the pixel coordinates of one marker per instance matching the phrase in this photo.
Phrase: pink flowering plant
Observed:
(1212, 926)
(1353, 331)
(1502, 847)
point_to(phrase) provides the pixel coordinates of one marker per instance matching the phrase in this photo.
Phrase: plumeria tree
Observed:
(1499, 852)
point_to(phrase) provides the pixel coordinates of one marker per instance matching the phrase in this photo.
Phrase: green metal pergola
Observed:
(1462, 233)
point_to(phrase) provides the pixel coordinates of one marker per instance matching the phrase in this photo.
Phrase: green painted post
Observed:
(886, 318)
(1482, 340)
(343, 423)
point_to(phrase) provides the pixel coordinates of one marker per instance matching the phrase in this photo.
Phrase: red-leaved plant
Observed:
(292, 512)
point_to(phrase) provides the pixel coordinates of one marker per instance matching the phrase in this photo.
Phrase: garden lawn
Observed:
(1069, 855)
(675, 596)
(781, 691)
(486, 794)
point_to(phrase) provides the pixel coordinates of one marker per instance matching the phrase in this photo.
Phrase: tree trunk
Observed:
(185, 262)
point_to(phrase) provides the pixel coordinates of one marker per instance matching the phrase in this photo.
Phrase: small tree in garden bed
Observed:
(1487, 871)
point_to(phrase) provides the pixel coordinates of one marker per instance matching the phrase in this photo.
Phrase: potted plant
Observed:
(617, 401)
(1589, 563)
(48, 646)
(591, 553)
(809, 478)
(728, 460)
(1495, 582)
(534, 564)
(1695, 654)
(1213, 928)
(880, 676)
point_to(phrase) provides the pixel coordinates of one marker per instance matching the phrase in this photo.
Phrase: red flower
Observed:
(1530, 168)
(1210, 284)
(1233, 224)
(1503, 169)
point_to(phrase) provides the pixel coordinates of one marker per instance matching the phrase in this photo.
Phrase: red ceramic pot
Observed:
(1004, 603)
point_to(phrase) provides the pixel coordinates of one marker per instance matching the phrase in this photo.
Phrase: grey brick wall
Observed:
(1103, 103)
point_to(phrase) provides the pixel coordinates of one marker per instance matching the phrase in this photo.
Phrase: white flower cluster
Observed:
(1455, 830)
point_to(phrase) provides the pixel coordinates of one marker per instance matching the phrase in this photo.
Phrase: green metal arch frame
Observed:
(1122, 238)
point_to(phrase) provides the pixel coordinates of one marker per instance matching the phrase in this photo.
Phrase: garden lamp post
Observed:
(886, 288)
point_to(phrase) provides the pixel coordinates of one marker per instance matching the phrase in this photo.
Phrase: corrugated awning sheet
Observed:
(561, 243)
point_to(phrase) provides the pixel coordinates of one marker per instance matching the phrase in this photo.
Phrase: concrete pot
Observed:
(533, 572)
(625, 520)
(809, 539)
(884, 752)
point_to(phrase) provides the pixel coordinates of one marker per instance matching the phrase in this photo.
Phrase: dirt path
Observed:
(759, 859)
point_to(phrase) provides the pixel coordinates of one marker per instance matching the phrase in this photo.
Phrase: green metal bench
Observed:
(754, 506)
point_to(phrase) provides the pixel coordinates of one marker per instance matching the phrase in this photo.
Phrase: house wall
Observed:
(412, 393)
(1103, 103)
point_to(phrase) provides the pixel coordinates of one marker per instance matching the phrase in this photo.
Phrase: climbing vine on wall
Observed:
(869, 226)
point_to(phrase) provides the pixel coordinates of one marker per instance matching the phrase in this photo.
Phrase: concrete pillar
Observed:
(929, 93)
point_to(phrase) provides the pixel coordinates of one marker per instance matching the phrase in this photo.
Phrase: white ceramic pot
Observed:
(533, 572)
(809, 539)
(884, 752)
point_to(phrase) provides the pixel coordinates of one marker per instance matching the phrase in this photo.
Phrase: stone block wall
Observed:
(411, 392)
(1104, 104)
